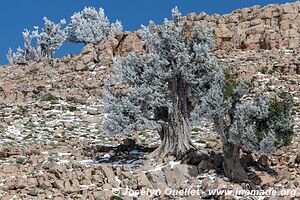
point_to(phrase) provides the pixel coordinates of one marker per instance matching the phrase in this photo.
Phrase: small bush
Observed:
(72, 108)
(49, 97)
(22, 109)
(114, 197)
(21, 160)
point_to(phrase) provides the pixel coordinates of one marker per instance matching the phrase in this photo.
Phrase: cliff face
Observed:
(270, 27)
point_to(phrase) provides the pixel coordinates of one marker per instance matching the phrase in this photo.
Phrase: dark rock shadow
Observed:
(126, 153)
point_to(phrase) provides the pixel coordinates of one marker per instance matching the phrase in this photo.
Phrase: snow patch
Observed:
(173, 164)
(106, 156)
(63, 154)
(13, 130)
(88, 162)
(60, 162)
(157, 168)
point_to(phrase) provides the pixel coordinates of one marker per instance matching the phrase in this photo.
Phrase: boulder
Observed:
(106, 51)
(204, 166)
(179, 174)
(108, 171)
(263, 162)
(80, 66)
(143, 180)
(130, 43)
(86, 59)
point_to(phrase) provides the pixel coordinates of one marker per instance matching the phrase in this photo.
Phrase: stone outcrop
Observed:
(270, 27)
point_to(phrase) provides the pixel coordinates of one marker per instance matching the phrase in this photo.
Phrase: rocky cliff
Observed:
(270, 27)
(49, 117)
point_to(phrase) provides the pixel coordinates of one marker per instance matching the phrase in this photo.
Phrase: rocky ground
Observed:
(54, 149)
(52, 145)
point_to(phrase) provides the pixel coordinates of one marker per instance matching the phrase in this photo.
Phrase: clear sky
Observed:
(17, 15)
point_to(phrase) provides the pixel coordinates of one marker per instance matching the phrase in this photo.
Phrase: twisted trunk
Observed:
(176, 139)
(176, 131)
(232, 165)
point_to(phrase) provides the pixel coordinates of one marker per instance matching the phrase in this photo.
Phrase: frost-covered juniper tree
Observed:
(92, 26)
(28, 52)
(161, 87)
(46, 42)
(52, 37)
(259, 124)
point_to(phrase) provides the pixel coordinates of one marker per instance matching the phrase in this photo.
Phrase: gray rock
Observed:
(80, 66)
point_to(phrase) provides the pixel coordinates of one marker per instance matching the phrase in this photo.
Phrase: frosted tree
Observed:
(159, 90)
(28, 52)
(46, 43)
(52, 37)
(259, 125)
(92, 26)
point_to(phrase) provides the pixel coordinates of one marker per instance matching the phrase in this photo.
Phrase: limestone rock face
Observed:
(270, 27)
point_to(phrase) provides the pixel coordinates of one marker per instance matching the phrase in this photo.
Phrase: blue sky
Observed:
(16, 15)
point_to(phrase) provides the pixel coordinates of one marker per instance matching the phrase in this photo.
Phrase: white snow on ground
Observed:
(117, 179)
(63, 154)
(259, 74)
(173, 164)
(87, 187)
(106, 156)
(13, 130)
(53, 111)
(157, 168)
(88, 162)
(60, 162)
(117, 189)
(106, 144)
(199, 144)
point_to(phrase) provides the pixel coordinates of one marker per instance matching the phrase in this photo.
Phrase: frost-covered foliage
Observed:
(52, 37)
(163, 84)
(28, 52)
(260, 124)
(87, 26)
(92, 26)
(38, 45)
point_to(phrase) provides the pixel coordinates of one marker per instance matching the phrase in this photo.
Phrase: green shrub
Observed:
(72, 108)
(114, 197)
(49, 97)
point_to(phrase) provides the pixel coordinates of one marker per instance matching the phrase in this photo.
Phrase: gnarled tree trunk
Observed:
(176, 131)
(176, 139)
(231, 152)
(232, 165)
